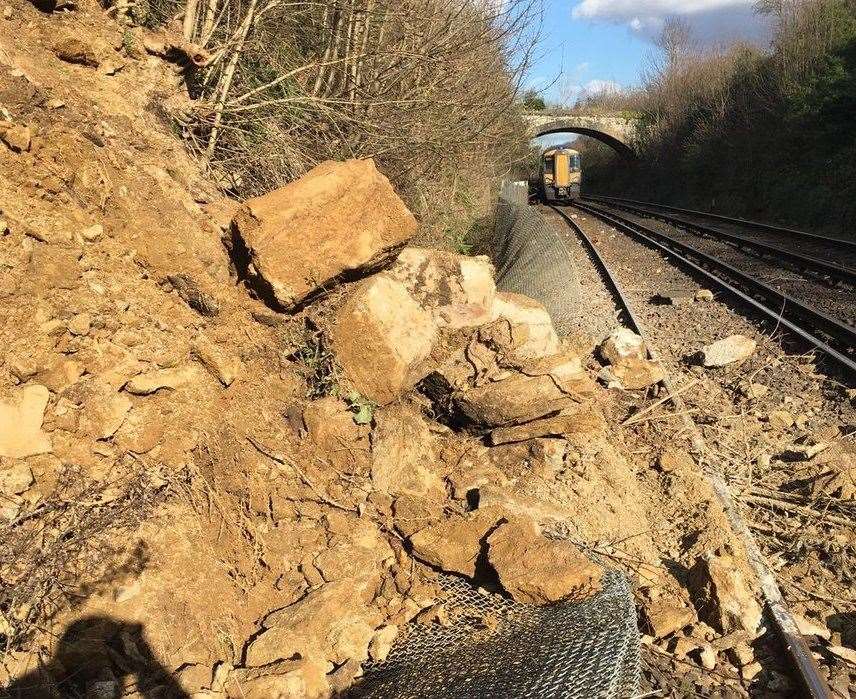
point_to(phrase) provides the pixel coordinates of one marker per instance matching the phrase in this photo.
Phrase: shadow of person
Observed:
(99, 658)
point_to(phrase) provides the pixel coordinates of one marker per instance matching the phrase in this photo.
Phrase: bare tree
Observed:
(420, 85)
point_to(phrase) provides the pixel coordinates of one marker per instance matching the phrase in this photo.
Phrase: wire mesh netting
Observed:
(492, 646)
(495, 647)
(532, 258)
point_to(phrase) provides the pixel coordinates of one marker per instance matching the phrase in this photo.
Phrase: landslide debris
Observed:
(265, 500)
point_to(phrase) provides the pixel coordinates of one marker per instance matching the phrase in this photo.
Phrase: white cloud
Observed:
(711, 21)
(572, 92)
(596, 87)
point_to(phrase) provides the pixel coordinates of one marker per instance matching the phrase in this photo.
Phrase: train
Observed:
(560, 174)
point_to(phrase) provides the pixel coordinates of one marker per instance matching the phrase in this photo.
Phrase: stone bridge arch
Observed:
(615, 131)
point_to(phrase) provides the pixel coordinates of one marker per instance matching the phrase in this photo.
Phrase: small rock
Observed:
(803, 452)
(190, 292)
(194, 678)
(722, 596)
(301, 679)
(665, 618)
(141, 431)
(17, 138)
(411, 513)
(754, 390)
(144, 384)
(54, 103)
(22, 368)
(810, 628)
(123, 593)
(21, 418)
(679, 298)
(532, 333)
(584, 421)
(730, 641)
(224, 368)
(73, 50)
(672, 460)
(681, 647)
(537, 570)
(751, 671)
(334, 616)
(106, 411)
(728, 350)
(621, 344)
(92, 233)
(704, 295)
(707, 657)
(631, 374)
(61, 375)
(403, 452)
(454, 544)
(780, 419)
(16, 480)
(381, 642)
(80, 324)
(4, 227)
(547, 386)
(7, 12)
(848, 654)
(110, 67)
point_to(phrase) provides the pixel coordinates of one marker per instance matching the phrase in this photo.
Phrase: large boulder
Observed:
(338, 220)
(459, 290)
(382, 338)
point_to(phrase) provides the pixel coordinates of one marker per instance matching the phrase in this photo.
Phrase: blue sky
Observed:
(590, 44)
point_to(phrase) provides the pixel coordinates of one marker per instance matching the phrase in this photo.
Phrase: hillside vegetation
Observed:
(428, 89)
(765, 134)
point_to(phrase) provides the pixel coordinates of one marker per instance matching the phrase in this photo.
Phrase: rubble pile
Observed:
(280, 421)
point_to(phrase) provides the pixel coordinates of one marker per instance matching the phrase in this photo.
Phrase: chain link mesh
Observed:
(493, 647)
(532, 258)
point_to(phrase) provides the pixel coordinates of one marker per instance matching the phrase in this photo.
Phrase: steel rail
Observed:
(783, 620)
(746, 223)
(788, 306)
(843, 272)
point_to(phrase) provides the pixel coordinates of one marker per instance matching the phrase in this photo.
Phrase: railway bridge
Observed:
(616, 130)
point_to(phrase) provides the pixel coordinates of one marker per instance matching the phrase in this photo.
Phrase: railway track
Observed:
(834, 337)
(782, 620)
(821, 247)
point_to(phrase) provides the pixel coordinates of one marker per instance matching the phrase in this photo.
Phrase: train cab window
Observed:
(549, 165)
(575, 163)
